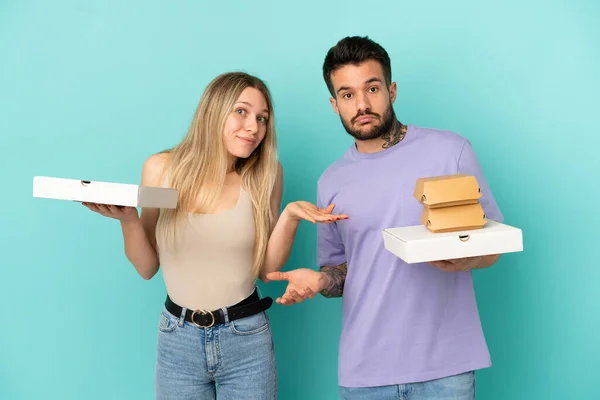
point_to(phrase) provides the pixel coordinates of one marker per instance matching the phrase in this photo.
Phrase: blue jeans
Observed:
(233, 361)
(458, 387)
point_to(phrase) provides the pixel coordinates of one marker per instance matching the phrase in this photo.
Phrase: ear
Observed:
(334, 105)
(393, 92)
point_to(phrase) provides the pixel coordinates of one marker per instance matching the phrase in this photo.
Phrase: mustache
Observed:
(361, 113)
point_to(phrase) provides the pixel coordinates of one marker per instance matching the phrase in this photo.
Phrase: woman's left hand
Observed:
(309, 212)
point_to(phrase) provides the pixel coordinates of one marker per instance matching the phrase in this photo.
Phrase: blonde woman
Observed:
(214, 336)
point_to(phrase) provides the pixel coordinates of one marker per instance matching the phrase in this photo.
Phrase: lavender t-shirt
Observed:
(401, 323)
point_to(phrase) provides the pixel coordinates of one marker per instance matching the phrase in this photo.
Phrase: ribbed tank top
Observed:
(211, 264)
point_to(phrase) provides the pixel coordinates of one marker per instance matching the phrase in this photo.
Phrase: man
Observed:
(409, 331)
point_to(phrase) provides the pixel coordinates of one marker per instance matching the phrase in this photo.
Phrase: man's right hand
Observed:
(303, 283)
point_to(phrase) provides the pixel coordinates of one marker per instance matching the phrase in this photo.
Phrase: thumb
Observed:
(277, 276)
(329, 209)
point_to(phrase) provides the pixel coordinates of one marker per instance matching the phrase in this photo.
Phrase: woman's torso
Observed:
(210, 263)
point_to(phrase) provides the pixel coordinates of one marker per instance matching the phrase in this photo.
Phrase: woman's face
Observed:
(246, 125)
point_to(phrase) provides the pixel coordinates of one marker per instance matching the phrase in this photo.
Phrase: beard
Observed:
(374, 131)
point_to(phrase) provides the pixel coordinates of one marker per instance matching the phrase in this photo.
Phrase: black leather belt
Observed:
(251, 305)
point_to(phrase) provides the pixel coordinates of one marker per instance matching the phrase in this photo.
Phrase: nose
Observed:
(362, 103)
(251, 125)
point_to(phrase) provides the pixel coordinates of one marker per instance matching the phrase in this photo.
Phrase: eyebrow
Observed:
(250, 105)
(371, 80)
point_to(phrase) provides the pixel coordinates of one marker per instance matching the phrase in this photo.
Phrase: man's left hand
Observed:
(458, 264)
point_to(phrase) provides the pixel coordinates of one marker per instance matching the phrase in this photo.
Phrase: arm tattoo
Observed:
(395, 135)
(337, 277)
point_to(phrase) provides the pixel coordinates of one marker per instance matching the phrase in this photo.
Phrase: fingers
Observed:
(317, 215)
(309, 293)
(277, 276)
(444, 265)
(99, 208)
(93, 207)
(338, 217)
(108, 210)
(449, 266)
(297, 297)
(117, 211)
(328, 212)
(293, 296)
(326, 218)
(328, 209)
(286, 300)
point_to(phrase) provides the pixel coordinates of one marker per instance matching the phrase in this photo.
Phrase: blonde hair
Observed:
(198, 164)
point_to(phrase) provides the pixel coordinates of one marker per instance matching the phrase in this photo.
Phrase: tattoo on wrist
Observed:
(395, 135)
(337, 278)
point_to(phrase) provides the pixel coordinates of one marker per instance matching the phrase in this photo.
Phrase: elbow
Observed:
(147, 276)
(147, 273)
(263, 278)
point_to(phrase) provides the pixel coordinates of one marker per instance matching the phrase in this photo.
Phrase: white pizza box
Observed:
(415, 244)
(119, 194)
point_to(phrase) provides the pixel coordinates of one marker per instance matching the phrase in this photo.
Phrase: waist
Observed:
(208, 291)
(203, 318)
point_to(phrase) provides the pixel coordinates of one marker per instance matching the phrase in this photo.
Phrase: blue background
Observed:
(89, 89)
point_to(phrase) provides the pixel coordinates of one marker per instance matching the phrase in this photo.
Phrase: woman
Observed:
(226, 232)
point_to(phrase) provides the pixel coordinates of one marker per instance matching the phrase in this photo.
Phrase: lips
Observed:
(247, 140)
(364, 119)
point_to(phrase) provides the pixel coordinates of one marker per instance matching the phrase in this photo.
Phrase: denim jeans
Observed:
(230, 361)
(458, 387)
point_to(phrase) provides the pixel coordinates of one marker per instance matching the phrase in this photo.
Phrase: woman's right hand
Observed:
(121, 213)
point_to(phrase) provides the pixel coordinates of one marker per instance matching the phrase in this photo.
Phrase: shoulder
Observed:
(154, 169)
(443, 143)
(439, 137)
(335, 168)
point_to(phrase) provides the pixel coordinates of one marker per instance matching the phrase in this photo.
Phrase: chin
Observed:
(242, 154)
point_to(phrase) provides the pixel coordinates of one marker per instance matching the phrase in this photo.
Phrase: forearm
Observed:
(334, 280)
(138, 249)
(280, 244)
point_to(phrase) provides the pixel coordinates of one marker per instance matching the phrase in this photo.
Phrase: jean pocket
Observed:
(251, 325)
(167, 323)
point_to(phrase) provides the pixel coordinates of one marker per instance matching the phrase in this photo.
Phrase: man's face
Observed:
(362, 100)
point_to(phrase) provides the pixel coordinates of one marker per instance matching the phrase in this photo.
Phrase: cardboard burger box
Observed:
(448, 190)
(450, 203)
(453, 224)
(119, 194)
(453, 218)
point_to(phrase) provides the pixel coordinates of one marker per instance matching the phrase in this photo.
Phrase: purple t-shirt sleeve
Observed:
(468, 163)
(330, 247)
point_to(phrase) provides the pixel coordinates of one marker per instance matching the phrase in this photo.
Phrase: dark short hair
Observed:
(355, 50)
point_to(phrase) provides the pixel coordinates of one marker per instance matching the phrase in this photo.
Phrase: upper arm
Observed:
(468, 163)
(152, 175)
(330, 246)
(277, 195)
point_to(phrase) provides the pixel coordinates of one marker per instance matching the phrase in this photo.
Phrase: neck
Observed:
(231, 164)
(387, 140)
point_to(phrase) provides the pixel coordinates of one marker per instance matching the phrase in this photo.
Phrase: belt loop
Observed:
(225, 315)
(182, 316)
(259, 292)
